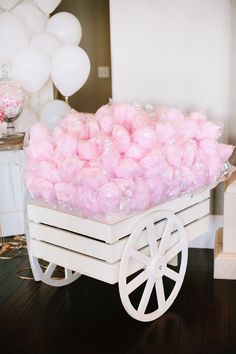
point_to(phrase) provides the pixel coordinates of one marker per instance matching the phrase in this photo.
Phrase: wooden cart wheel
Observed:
(154, 284)
(50, 273)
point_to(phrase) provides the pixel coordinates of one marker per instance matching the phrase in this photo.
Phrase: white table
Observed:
(11, 187)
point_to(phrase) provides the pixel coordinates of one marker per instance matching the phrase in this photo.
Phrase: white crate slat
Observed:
(93, 267)
(108, 252)
(173, 206)
(80, 263)
(110, 233)
(197, 228)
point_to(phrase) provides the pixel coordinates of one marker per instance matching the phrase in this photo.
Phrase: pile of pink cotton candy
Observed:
(122, 160)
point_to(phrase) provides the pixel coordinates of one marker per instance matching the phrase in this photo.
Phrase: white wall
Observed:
(173, 52)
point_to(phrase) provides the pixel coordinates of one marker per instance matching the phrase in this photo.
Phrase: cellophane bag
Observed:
(123, 160)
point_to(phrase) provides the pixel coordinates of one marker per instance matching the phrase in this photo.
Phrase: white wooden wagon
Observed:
(142, 252)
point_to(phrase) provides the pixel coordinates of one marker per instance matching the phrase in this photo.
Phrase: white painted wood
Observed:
(110, 253)
(97, 249)
(86, 265)
(207, 240)
(46, 273)
(225, 241)
(155, 265)
(224, 262)
(109, 233)
(229, 236)
(11, 193)
(98, 269)
(174, 206)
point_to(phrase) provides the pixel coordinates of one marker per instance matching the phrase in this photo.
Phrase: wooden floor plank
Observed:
(87, 317)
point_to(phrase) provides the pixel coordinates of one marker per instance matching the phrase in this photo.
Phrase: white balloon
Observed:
(47, 42)
(25, 120)
(47, 6)
(66, 27)
(70, 68)
(13, 35)
(31, 68)
(53, 112)
(8, 4)
(46, 94)
(33, 18)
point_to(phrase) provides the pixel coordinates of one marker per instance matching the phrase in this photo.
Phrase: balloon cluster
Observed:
(38, 48)
(123, 159)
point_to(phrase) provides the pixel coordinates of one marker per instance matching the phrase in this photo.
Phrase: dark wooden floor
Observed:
(87, 317)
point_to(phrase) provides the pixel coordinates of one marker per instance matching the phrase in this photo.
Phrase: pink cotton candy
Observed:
(135, 151)
(123, 159)
(154, 163)
(92, 127)
(69, 120)
(48, 171)
(110, 155)
(30, 177)
(65, 148)
(78, 130)
(70, 167)
(126, 186)
(189, 151)
(90, 177)
(165, 132)
(208, 146)
(105, 110)
(65, 193)
(121, 137)
(189, 128)
(58, 134)
(39, 133)
(224, 151)
(145, 137)
(215, 168)
(175, 115)
(109, 198)
(43, 191)
(124, 114)
(141, 121)
(106, 124)
(200, 172)
(40, 150)
(171, 182)
(128, 168)
(141, 198)
(174, 154)
(155, 186)
(187, 179)
(88, 149)
(208, 130)
(86, 201)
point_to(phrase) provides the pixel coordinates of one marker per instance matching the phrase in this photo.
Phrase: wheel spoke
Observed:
(68, 273)
(50, 269)
(165, 239)
(152, 239)
(139, 256)
(146, 296)
(172, 274)
(136, 282)
(160, 293)
(174, 250)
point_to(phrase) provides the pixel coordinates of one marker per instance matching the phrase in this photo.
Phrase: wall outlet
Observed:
(103, 71)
